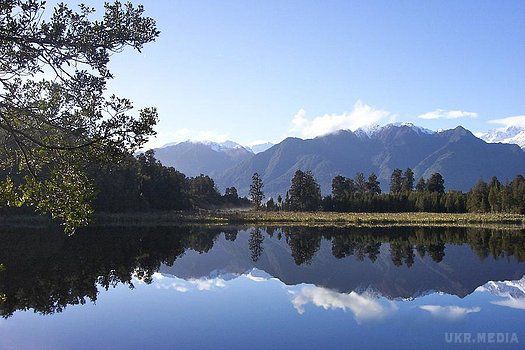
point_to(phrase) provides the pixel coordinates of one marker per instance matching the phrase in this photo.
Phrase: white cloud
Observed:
(452, 313)
(363, 307)
(448, 114)
(362, 115)
(518, 120)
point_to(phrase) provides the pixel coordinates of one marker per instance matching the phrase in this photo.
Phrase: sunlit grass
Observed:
(250, 217)
(314, 218)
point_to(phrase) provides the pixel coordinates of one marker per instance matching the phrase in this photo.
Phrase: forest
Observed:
(143, 184)
(363, 194)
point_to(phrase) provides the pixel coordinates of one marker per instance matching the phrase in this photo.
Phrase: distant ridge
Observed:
(203, 157)
(457, 154)
(460, 156)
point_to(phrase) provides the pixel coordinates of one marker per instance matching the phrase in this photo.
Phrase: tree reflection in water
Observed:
(46, 271)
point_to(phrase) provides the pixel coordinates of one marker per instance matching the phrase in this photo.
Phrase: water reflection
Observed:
(364, 307)
(330, 268)
(452, 313)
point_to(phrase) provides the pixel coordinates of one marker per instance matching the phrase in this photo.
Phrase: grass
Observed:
(285, 219)
(311, 218)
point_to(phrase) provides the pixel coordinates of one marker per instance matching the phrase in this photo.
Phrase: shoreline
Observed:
(264, 218)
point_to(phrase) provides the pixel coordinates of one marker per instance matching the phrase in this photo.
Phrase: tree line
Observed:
(363, 194)
(144, 184)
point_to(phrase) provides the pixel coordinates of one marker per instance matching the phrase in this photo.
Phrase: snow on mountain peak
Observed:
(514, 289)
(510, 134)
(260, 147)
(216, 146)
(376, 128)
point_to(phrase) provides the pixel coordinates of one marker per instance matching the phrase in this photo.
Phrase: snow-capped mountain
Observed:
(513, 289)
(202, 157)
(222, 146)
(216, 146)
(260, 147)
(511, 134)
(375, 129)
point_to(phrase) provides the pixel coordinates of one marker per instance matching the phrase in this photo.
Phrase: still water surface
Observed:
(262, 288)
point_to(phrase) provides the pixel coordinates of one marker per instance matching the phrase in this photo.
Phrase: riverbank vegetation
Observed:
(248, 217)
(142, 191)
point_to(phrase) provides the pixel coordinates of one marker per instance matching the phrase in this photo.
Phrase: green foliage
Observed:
(396, 181)
(436, 183)
(55, 116)
(360, 183)
(421, 185)
(164, 188)
(203, 191)
(256, 190)
(304, 193)
(271, 205)
(372, 185)
(408, 181)
(430, 196)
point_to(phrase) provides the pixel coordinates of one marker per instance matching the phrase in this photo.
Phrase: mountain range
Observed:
(460, 156)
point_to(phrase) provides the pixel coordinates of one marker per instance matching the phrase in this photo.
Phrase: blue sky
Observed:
(264, 70)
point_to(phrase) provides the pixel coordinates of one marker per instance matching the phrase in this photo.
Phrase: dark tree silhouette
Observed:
(256, 190)
(396, 181)
(305, 194)
(53, 125)
(255, 243)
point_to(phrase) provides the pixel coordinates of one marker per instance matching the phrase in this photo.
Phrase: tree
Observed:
(360, 183)
(478, 198)
(342, 188)
(163, 188)
(436, 183)
(372, 185)
(396, 181)
(339, 188)
(271, 205)
(494, 197)
(256, 190)
(231, 195)
(203, 191)
(305, 193)
(408, 181)
(421, 185)
(55, 116)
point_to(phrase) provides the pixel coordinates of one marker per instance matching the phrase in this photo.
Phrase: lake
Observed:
(262, 288)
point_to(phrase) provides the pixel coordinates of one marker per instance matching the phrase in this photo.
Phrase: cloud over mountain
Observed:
(362, 115)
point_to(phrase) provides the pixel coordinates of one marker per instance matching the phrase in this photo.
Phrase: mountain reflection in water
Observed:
(338, 268)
